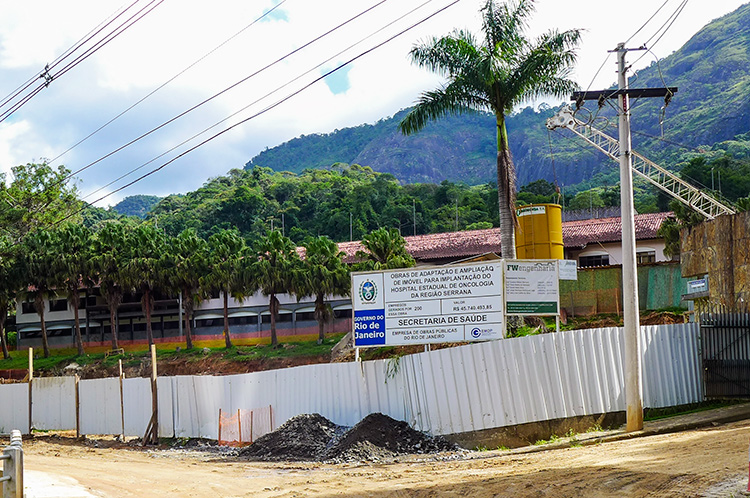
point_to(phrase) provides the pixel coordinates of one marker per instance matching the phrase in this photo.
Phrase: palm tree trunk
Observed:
(227, 338)
(187, 308)
(39, 304)
(273, 306)
(147, 306)
(3, 332)
(506, 192)
(320, 316)
(113, 326)
(75, 301)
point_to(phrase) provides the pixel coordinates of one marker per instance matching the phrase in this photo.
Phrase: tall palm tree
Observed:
(186, 262)
(323, 274)
(226, 251)
(38, 269)
(385, 249)
(73, 269)
(141, 271)
(110, 249)
(10, 283)
(497, 74)
(273, 272)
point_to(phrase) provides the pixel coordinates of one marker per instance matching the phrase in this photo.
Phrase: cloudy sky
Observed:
(203, 48)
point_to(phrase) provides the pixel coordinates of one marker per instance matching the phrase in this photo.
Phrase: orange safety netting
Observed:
(242, 427)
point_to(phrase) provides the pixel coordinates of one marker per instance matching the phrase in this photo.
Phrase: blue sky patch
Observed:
(338, 82)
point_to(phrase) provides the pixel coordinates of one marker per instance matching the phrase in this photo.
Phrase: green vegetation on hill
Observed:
(136, 205)
(712, 105)
(325, 202)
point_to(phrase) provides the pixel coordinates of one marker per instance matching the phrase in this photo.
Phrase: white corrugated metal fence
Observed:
(453, 390)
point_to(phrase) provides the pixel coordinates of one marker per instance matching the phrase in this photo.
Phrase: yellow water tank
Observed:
(539, 232)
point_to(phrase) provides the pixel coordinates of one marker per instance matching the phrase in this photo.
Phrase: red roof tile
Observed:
(457, 245)
(583, 232)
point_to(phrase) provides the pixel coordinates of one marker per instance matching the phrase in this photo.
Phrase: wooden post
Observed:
(78, 408)
(152, 431)
(154, 395)
(122, 400)
(219, 425)
(239, 428)
(31, 378)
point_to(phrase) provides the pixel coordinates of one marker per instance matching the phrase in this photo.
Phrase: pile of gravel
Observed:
(315, 438)
(301, 438)
(378, 437)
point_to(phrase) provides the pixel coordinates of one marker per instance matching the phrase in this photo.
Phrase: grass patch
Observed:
(56, 360)
(651, 414)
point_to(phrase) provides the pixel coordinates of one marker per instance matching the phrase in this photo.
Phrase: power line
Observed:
(277, 89)
(266, 109)
(665, 27)
(48, 77)
(196, 62)
(216, 95)
(73, 48)
(646, 23)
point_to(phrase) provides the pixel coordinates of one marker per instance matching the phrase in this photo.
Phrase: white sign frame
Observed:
(427, 305)
(531, 287)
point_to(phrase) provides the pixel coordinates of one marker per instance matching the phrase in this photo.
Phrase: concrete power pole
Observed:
(631, 318)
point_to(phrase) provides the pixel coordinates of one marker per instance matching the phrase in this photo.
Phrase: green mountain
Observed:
(712, 105)
(136, 205)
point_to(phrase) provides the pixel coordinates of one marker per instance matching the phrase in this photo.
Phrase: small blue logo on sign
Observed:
(476, 333)
(368, 291)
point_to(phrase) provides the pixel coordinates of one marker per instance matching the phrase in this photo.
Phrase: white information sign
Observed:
(568, 269)
(531, 287)
(428, 305)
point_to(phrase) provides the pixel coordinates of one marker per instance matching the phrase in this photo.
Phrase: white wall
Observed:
(453, 390)
(614, 249)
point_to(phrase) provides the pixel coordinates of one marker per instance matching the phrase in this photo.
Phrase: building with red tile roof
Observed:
(593, 242)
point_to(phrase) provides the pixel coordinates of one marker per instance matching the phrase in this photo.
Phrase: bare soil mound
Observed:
(379, 436)
(315, 438)
(301, 438)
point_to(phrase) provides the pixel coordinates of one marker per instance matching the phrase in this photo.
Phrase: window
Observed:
(646, 257)
(243, 320)
(596, 260)
(58, 305)
(345, 313)
(87, 302)
(283, 317)
(306, 316)
(208, 322)
(27, 308)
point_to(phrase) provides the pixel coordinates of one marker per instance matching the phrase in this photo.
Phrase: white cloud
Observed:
(175, 34)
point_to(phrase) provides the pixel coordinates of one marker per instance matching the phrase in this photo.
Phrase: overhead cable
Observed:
(266, 109)
(225, 90)
(196, 62)
(277, 89)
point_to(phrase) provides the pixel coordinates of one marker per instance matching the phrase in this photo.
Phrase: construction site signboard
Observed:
(428, 305)
(532, 287)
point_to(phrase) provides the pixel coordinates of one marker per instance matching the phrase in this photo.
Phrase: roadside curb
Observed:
(679, 423)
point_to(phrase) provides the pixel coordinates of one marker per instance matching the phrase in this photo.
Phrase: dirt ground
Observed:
(709, 463)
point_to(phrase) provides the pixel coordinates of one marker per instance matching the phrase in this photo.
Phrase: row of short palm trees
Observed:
(123, 257)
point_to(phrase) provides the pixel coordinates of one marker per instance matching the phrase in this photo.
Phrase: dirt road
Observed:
(709, 463)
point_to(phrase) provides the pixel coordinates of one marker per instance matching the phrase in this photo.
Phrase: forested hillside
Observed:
(712, 105)
(327, 202)
(136, 205)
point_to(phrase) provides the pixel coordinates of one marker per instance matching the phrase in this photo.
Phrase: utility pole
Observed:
(631, 318)
(351, 229)
(414, 214)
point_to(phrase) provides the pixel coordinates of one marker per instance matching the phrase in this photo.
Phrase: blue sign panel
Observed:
(369, 327)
